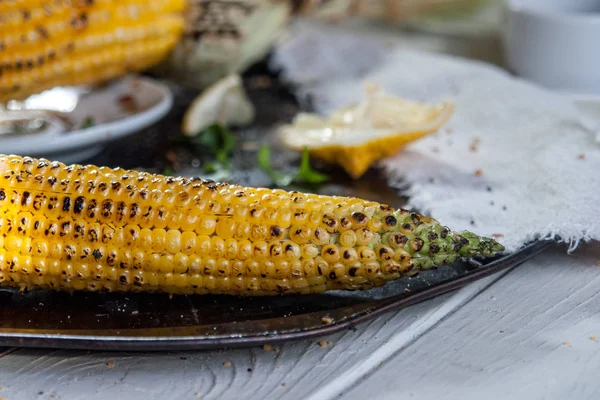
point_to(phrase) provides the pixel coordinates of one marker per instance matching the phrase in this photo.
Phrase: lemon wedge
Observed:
(358, 135)
(225, 102)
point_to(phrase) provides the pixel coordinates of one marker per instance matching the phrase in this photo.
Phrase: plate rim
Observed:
(372, 309)
(98, 134)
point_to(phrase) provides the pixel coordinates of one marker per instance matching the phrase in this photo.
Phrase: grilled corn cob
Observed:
(67, 42)
(99, 229)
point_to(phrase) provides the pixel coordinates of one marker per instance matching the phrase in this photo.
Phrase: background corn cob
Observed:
(89, 228)
(224, 37)
(47, 43)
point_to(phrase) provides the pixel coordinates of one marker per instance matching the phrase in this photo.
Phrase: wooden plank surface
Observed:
(291, 371)
(535, 334)
(532, 334)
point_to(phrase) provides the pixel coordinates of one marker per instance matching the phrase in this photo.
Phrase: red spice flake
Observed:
(261, 82)
(478, 172)
(127, 103)
(497, 235)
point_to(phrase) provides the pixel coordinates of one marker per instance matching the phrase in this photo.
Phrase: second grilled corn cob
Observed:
(100, 229)
(50, 43)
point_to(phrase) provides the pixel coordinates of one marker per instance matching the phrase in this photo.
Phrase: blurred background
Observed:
(135, 83)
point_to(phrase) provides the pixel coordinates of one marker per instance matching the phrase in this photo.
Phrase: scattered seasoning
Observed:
(594, 338)
(227, 364)
(249, 369)
(472, 222)
(88, 122)
(127, 103)
(474, 145)
(489, 188)
(326, 320)
(324, 343)
(261, 82)
(478, 172)
(581, 156)
(283, 384)
(250, 145)
(566, 343)
(109, 364)
(503, 208)
(267, 347)
(497, 235)
(197, 394)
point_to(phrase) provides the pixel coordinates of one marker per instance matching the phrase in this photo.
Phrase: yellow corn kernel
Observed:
(47, 44)
(87, 228)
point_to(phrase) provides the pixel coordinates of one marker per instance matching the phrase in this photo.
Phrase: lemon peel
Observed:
(358, 135)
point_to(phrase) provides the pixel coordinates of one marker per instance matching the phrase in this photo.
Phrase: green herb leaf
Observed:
(264, 162)
(88, 122)
(167, 172)
(306, 173)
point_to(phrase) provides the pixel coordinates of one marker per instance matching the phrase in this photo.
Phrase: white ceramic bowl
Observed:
(555, 43)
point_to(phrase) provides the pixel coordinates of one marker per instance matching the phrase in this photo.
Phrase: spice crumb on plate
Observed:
(497, 235)
(324, 343)
(566, 343)
(581, 156)
(227, 364)
(478, 172)
(327, 320)
(474, 146)
(110, 365)
(594, 338)
(267, 347)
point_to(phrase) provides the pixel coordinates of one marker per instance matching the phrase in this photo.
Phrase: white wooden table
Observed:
(532, 333)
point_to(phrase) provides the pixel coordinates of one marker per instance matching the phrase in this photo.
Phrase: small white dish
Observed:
(555, 43)
(94, 118)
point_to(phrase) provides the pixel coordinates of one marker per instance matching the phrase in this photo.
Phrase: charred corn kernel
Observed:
(80, 229)
(47, 44)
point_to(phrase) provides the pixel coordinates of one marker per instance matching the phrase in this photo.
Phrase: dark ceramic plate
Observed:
(158, 322)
